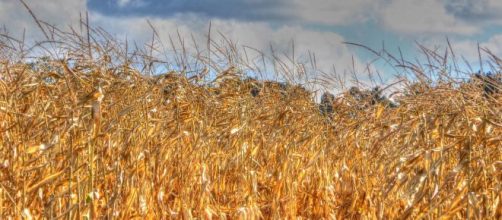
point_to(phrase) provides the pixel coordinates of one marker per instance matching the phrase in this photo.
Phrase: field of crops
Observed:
(89, 136)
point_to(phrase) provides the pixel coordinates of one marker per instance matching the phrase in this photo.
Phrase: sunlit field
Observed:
(97, 131)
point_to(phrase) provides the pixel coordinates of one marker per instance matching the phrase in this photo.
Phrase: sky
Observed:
(317, 26)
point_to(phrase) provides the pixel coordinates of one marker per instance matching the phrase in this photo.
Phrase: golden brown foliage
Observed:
(101, 145)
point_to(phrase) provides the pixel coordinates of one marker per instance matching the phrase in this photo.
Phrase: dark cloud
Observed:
(250, 10)
(475, 11)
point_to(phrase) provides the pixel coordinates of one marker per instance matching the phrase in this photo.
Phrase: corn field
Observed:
(90, 135)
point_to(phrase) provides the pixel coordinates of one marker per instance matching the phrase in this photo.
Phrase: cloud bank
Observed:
(260, 23)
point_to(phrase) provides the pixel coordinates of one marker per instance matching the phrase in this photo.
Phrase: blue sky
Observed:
(319, 26)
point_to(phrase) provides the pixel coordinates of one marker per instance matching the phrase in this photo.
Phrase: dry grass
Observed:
(107, 142)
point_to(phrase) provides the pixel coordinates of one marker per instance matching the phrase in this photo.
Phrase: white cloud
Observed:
(466, 50)
(422, 18)
(327, 46)
(494, 44)
(334, 12)
(133, 3)
(123, 3)
(60, 13)
(469, 48)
